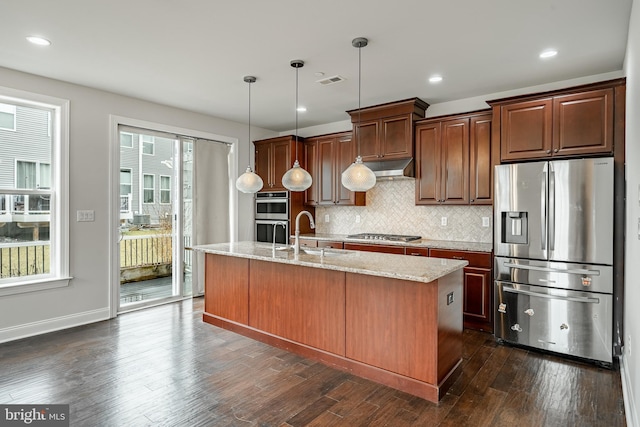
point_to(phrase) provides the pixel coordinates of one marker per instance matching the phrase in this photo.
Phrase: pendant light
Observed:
(296, 178)
(249, 182)
(358, 177)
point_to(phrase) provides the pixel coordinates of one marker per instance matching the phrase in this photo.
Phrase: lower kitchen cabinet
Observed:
(477, 287)
(330, 244)
(387, 249)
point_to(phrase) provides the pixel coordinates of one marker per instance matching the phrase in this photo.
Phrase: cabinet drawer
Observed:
(375, 248)
(416, 251)
(307, 243)
(475, 259)
(330, 244)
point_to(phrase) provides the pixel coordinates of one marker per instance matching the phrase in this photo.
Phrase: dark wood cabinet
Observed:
(330, 244)
(477, 287)
(453, 160)
(408, 250)
(274, 157)
(573, 122)
(328, 156)
(386, 131)
(372, 247)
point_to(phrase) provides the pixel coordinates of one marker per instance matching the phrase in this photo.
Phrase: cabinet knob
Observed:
(548, 151)
(555, 151)
(473, 200)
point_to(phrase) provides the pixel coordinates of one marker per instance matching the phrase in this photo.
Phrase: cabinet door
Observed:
(369, 134)
(345, 155)
(455, 158)
(326, 171)
(428, 164)
(281, 161)
(312, 162)
(583, 123)
(480, 167)
(263, 169)
(396, 138)
(477, 299)
(226, 292)
(526, 130)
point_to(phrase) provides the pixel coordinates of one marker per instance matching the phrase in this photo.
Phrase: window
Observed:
(165, 189)
(148, 144)
(34, 192)
(33, 175)
(125, 182)
(7, 117)
(126, 139)
(149, 188)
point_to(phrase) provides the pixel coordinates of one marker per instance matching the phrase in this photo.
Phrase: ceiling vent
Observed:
(331, 80)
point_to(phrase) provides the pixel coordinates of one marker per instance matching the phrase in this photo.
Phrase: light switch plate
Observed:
(357, 219)
(85, 216)
(326, 218)
(485, 221)
(443, 221)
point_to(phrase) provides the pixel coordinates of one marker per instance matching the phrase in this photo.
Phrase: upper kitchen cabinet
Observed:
(571, 122)
(327, 157)
(274, 157)
(453, 160)
(386, 130)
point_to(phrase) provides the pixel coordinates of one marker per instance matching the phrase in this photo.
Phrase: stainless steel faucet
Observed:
(284, 226)
(296, 244)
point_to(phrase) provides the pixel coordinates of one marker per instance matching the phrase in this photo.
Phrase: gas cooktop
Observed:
(388, 237)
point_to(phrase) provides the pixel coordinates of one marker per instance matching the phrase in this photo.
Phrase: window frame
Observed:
(151, 143)
(38, 169)
(58, 275)
(145, 189)
(4, 109)
(123, 145)
(164, 190)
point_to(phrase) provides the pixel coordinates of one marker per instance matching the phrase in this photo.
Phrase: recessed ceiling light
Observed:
(435, 79)
(39, 41)
(302, 109)
(549, 53)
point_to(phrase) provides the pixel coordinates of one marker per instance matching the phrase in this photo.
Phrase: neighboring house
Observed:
(25, 163)
(146, 178)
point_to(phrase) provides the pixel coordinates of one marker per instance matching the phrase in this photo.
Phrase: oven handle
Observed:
(536, 294)
(581, 271)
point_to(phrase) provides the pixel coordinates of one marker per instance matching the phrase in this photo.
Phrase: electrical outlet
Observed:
(326, 218)
(485, 221)
(357, 219)
(450, 298)
(85, 216)
(443, 221)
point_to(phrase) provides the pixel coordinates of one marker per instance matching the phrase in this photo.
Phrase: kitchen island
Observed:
(394, 319)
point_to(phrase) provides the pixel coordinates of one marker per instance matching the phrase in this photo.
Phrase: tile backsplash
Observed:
(391, 209)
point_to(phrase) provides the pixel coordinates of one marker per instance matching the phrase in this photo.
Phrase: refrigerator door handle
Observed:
(552, 208)
(537, 294)
(580, 271)
(543, 211)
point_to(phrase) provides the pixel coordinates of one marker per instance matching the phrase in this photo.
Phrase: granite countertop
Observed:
(422, 243)
(417, 269)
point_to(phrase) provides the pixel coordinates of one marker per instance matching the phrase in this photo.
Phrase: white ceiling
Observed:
(193, 54)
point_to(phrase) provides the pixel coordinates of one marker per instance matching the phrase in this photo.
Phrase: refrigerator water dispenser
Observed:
(515, 228)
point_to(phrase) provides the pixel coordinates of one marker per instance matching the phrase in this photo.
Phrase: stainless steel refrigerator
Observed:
(553, 247)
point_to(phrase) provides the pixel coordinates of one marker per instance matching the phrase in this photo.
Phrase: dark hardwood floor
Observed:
(164, 367)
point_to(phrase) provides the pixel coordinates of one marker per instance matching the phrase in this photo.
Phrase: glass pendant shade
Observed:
(358, 177)
(296, 178)
(249, 182)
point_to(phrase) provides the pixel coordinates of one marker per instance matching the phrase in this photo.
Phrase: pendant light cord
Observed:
(249, 122)
(296, 113)
(359, 94)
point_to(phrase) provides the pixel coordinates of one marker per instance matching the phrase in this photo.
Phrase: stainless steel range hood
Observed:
(392, 169)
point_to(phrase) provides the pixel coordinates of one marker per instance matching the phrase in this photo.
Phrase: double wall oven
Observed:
(272, 216)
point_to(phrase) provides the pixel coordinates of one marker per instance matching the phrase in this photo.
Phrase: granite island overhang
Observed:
(394, 319)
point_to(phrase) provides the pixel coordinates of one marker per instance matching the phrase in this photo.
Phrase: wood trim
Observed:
(413, 106)
(432, 393)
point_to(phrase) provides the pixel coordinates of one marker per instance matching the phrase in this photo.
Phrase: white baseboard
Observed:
(42, 327)
(627, 394)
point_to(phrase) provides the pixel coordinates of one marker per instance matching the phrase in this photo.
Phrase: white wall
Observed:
(87, 297)
(631, 358)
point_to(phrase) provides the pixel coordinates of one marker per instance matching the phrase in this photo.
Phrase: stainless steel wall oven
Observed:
(272, 216)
